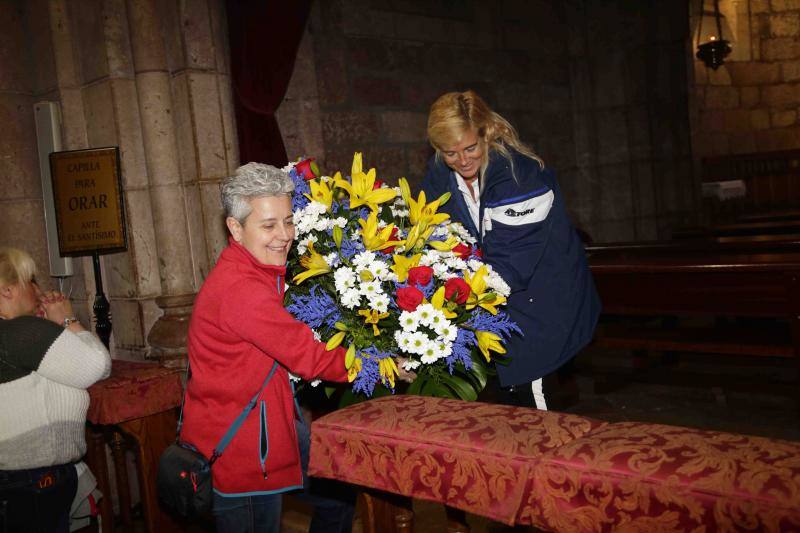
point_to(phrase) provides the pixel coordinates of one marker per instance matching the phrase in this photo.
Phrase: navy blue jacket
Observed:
(527, 237)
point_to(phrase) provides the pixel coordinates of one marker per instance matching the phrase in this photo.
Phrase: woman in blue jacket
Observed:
(504, 195)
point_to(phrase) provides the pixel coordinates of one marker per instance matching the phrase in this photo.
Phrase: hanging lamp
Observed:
(713, 51)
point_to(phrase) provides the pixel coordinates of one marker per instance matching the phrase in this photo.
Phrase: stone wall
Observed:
(21, 209)
(151, 77)
(752, 102)
(597, 88)
(630, 116)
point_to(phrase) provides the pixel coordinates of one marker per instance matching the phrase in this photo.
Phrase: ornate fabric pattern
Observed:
(134, 390)
(472, 456)
(647, 477)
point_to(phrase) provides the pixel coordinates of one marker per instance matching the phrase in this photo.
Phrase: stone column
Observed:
(104, 61)
(150, 76)
(204, 120)
(167, 338)
(180, 65)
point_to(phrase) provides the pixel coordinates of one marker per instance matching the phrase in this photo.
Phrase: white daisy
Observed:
(379, 302)
(351, 298)
(409, 321)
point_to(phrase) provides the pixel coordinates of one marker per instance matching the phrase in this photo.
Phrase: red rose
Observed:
(409, 298)
(420, 275)
(377, 184)
(463, 251)
(307, 169)
(392, 237)
(478, 252)
(457, 287)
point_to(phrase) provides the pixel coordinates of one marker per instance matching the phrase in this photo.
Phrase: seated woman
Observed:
(46, 364)
(239, 331)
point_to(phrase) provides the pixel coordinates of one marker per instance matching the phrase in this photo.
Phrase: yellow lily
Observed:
(321, 192)
(439, 302)
(490, 301)
(338, 233)
(354, 369)
(371, 316)
(351, 363)
(489, 341)
(418, 236)
(403, 264)
(314, 264)
(350, 356)
(479, 296)
(334, 341)
(388, 369)
(421, 212)
(374, 238)
(445, 246)
(361, 189)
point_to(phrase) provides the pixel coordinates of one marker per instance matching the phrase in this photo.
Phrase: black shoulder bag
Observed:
(184, 474)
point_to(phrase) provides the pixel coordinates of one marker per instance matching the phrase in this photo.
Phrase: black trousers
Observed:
(552, 392)
(37, 500)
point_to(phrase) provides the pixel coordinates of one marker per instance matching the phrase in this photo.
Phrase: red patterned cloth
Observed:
(134, 390)
(648, 477)
(561, 472)
(472, 456)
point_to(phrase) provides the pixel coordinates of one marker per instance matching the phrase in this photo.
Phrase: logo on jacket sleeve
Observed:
(521, 213)
(511, 213)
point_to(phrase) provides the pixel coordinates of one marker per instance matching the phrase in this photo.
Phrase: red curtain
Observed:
(264, 36)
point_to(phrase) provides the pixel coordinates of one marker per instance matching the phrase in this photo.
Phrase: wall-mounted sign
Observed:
(87, 191)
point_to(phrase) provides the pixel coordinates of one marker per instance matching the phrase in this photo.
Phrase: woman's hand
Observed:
(57, 308)
(402, 374)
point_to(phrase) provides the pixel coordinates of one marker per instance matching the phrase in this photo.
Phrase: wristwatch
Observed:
(69, 320)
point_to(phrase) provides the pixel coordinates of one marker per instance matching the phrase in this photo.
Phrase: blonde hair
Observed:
(454, 114)
(17, 267)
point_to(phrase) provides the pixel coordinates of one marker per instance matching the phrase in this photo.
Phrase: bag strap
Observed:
(236, 424)
(234, 427)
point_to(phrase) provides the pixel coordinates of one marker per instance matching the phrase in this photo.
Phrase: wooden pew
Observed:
(734, 279)
(740, 279)
(772, 181)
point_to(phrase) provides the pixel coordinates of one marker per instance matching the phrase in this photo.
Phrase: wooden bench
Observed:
(706, 279)
(772, 181)
(555, 471)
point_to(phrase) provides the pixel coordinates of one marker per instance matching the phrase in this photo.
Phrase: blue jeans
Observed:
(38, 499)
(333, 503)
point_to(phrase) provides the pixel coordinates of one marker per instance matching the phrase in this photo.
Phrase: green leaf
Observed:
(461, 388)
(416, 386)
(479, 372)
(381, 391)
(440, 391)
(348, 398)
(329, 391)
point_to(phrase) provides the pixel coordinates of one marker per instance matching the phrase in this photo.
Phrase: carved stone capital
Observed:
(167, 338)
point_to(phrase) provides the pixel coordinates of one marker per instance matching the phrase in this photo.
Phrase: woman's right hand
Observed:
(57, 307)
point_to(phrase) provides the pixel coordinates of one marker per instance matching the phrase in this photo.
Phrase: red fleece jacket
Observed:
(239, 327)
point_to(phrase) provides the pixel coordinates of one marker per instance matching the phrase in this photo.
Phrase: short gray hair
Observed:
(253, 180)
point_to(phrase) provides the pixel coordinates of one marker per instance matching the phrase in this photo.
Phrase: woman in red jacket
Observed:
(239, 329)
